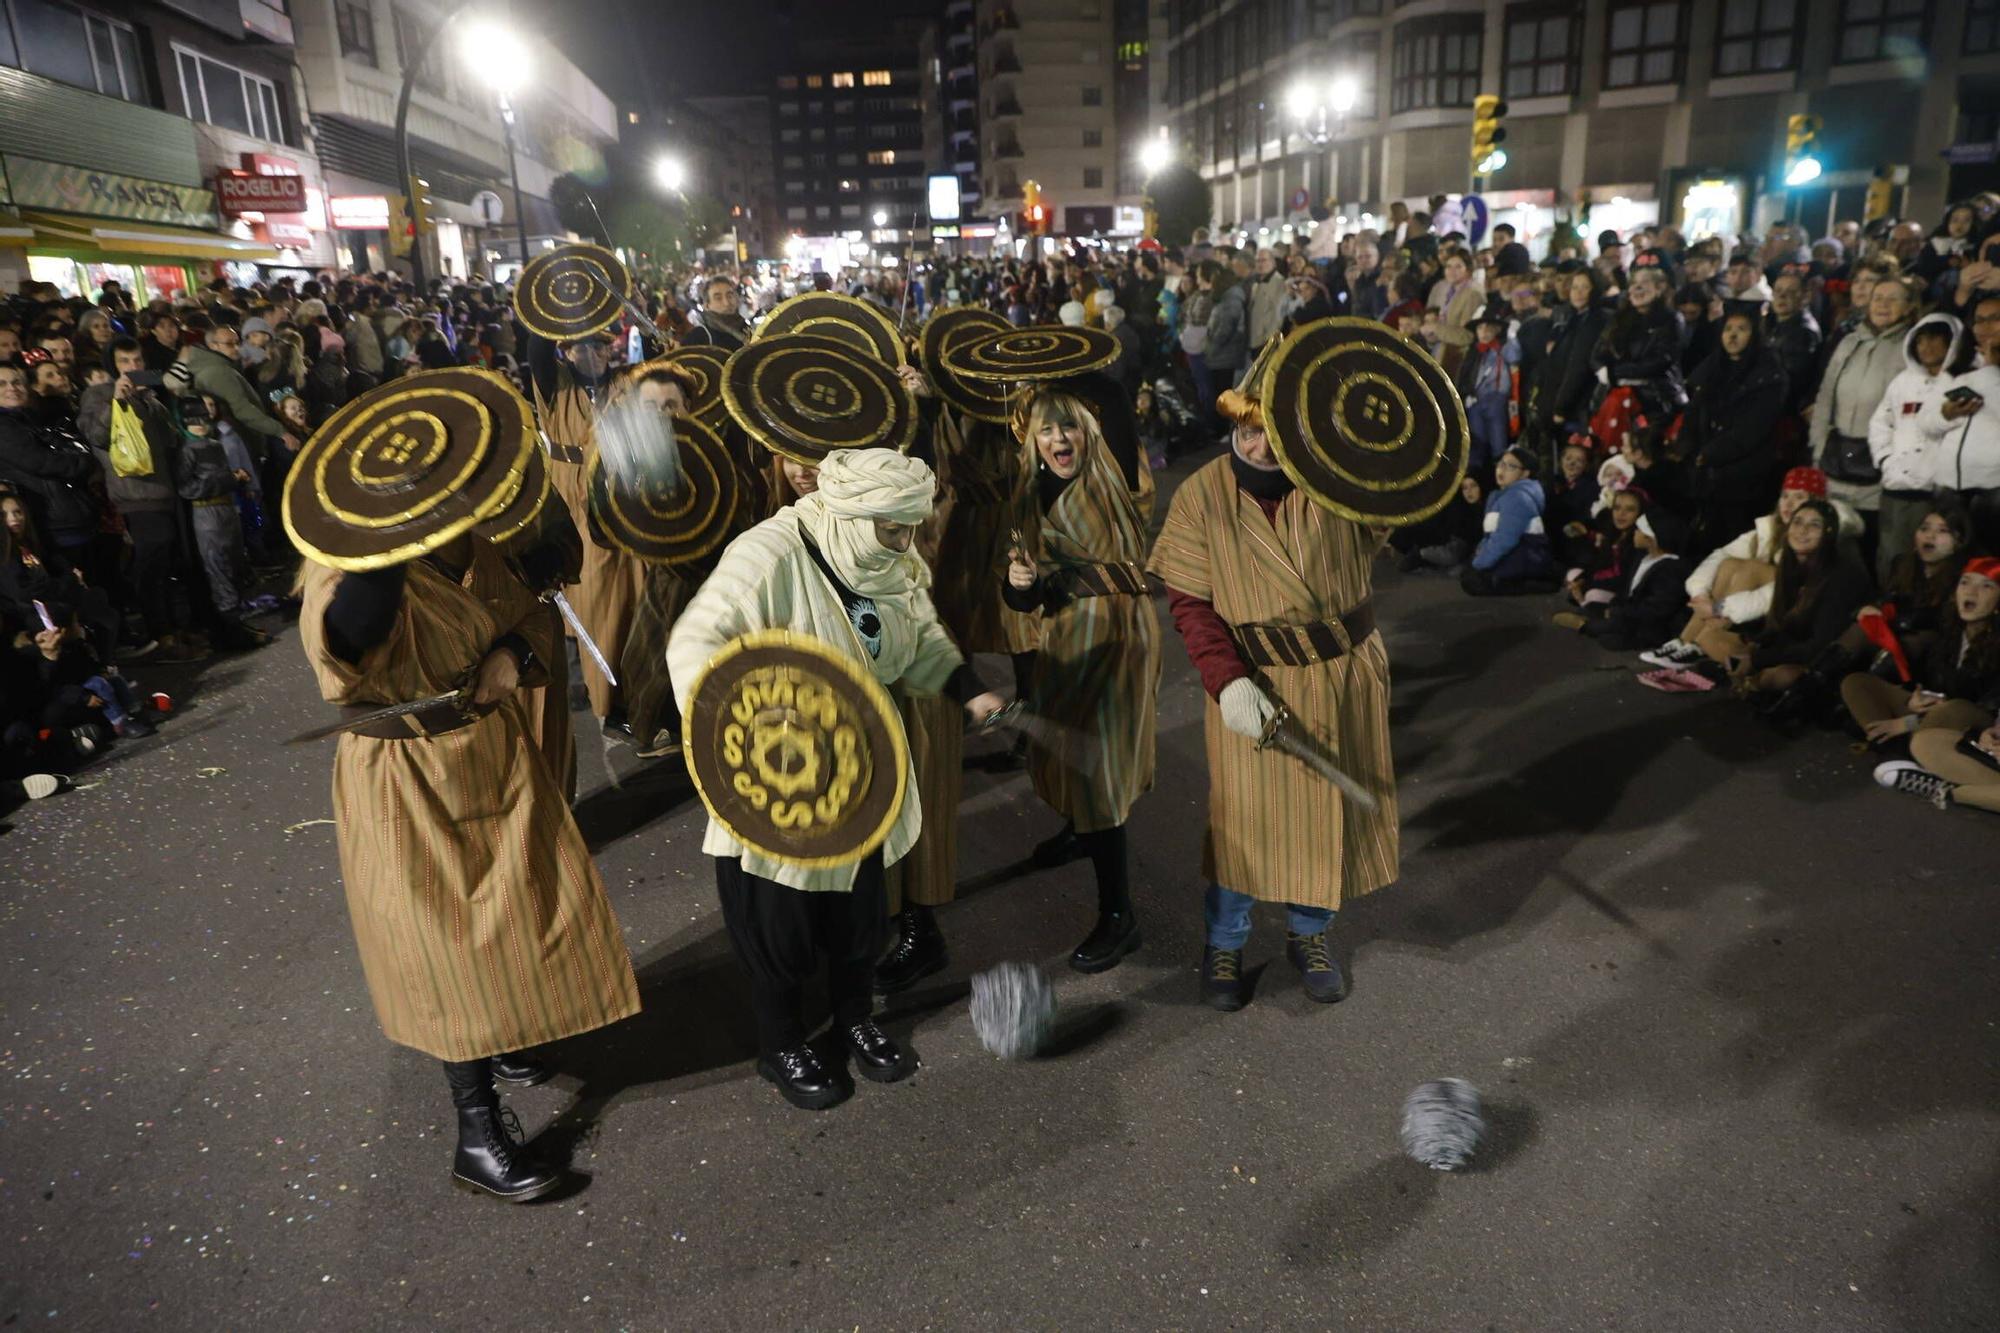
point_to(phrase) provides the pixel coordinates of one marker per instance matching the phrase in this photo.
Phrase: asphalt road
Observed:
(1731, 1006)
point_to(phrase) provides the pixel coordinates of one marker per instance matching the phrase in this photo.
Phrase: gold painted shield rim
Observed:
(740, 412)
(716, 455)
(945, 381)
(871, 689)
(1106, 355)
(578, 249)
(842, 309)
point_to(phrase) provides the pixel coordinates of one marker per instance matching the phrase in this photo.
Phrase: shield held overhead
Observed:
(796, 749)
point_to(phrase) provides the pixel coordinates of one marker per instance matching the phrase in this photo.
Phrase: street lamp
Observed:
(881, 217)
(500, 60)
(1318, 112)
(671, 173)
(1154, 157)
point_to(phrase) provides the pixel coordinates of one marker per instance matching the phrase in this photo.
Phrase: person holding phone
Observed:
(1966, 420)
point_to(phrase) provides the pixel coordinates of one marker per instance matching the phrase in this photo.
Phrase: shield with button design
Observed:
(832, 315)
(796, 749)
(571, 292)
(803, 395)
(410, 466)
(669, 518)
(1364, 422)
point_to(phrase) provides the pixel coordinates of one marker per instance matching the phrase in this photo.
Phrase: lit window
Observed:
(844, 80)
(788, 81)
(631, 118)
(815, 81)
(875, 78)
(882, 157)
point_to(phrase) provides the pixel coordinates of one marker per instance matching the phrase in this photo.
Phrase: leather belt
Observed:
(436, 720)
(565, 453)
(215, 500)
(1304, 645)
(1121, 578)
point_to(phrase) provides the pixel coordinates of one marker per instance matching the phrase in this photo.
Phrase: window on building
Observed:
(1643, 43)
(821, 212)
(788, 108)
(355, 23)
(412, 30)
(1880, 29)
(788, 82)
(875, 78)
(843, 134)
(882, 157)
(817, 134)
(1982, 26)
(795, 187)
(793, 161)
(1757, 37)
(796, 213)
(1541, 50)
(1364, 66)
(849, 187)
(789, 136)
(1331, 12)
(219, 94)
(1435, 62)
(850, 210)
(1131, 52)
(842, 80)
(78, 47)
(815, 81)
(1093, 96)
(843, 106)
(1093, 138)
(846, 160)
(1093, 178)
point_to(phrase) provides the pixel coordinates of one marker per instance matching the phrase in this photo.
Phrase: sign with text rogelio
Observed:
(241, 192)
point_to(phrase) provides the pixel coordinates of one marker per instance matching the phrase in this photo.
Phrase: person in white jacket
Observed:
(1899, 441)
(1967, 456)
(1736, 582)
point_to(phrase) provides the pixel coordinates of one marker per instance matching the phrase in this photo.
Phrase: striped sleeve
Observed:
(1180, 553)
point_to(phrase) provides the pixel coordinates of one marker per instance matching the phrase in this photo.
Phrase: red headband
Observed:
(1806, 479)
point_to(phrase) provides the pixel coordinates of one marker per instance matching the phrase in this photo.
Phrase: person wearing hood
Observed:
(1271, 595)
(834, 561)
(1735, 399)
(1966, 458)
(1647, 601)
(50, 465)
(1903, 448)
(1228, 346)
(1560, 394)
(1513, 556)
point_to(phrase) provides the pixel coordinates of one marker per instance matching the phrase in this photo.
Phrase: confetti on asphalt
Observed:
(290, 829)
(210, 772)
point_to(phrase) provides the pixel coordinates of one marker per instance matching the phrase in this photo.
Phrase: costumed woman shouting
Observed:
(1096, 679)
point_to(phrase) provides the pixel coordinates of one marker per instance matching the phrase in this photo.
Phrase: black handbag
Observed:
(1847, 458)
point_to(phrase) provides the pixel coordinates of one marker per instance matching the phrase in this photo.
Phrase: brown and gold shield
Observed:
(984, 400)
(1366, 423)
(803, 395)
(832, 315)
(571, 292)
(796, 749)
(699, 369)
(521, 510)
(409, 466)
(1039, 352)
(669, 520)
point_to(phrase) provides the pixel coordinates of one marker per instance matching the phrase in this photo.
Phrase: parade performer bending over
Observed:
(482, 926)
(835, 565)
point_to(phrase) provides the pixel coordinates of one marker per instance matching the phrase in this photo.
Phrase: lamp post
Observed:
(499, 59)
(1320, 112)
(514, 178)
(671, 174)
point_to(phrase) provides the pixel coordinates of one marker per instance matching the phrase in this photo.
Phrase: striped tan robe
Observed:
(988, 485)
(1097, 675)
(480, 920)
(1276, 831)
(609, 590)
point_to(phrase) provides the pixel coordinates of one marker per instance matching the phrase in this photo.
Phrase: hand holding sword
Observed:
(1252, 713)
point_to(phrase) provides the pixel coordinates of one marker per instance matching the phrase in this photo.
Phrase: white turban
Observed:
(856, 488)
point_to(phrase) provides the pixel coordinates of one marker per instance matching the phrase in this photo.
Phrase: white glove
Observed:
(1245, 707)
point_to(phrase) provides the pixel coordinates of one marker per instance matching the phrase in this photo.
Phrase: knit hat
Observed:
(255, 325)
(1808, 479)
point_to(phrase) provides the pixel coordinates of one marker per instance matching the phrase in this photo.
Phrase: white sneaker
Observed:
(38, 785)
(1906, 775)
(1669, 654)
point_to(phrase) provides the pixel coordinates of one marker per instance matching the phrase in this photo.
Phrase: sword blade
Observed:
(1287, 737)
(583, 635)
(383, 714)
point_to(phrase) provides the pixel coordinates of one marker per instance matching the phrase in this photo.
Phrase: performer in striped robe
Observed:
(568, 382)
(1096, 679)
(1270, 593)
(482, 926)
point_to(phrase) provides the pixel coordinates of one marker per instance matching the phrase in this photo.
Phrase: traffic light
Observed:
(419, 209)
(1487, 134)
(1034, 213)
(399, 223)
(1802, 164)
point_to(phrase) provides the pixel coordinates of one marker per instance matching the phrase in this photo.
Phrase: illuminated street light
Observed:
(1492, 162)
(1299, 100)
(1804, 171)
(881, 217)
(671, 173)
(1153, 158)
(1343, 95)
(495, 55)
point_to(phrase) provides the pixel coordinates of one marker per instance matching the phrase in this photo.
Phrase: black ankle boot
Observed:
(518, 1069)
(1115, 935)
(918, 952)
(489, 1159)
(802, 1079)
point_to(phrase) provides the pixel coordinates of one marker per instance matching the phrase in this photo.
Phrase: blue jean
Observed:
(1228, 914)
(1487, 416)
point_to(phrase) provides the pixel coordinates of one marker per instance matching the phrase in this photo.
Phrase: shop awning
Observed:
(123, 238)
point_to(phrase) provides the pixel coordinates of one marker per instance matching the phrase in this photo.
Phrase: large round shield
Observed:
(831, 315)
(1365, 423)
(1039, 352)
(984, 400)
(803, 395)
(796, 749)
(699, 369)
(669, 520)
(408, 467)
(526, 504)
(571, 292)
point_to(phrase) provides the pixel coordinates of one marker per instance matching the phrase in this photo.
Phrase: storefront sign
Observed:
(284, 233)
(359, 212)
(241, 192)
(66, 189)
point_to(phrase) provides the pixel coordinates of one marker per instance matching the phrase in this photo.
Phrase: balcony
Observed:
(965, 71)
(1008, 148)
(1005, 61)
(1005, 107)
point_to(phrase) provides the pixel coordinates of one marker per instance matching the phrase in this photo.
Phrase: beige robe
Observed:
(986, 486)
(1276, 831)
(480, 920)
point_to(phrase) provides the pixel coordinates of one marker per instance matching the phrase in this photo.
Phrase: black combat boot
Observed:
(918, 952)
(489, 1158)
(518, 1069)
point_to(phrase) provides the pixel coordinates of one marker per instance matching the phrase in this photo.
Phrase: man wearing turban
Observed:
(836, 565)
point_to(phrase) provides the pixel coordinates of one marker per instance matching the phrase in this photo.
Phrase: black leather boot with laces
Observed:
(490, 1158)
(518, 1069)
(1222, 979)
(919, 951)
(1321, 975)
